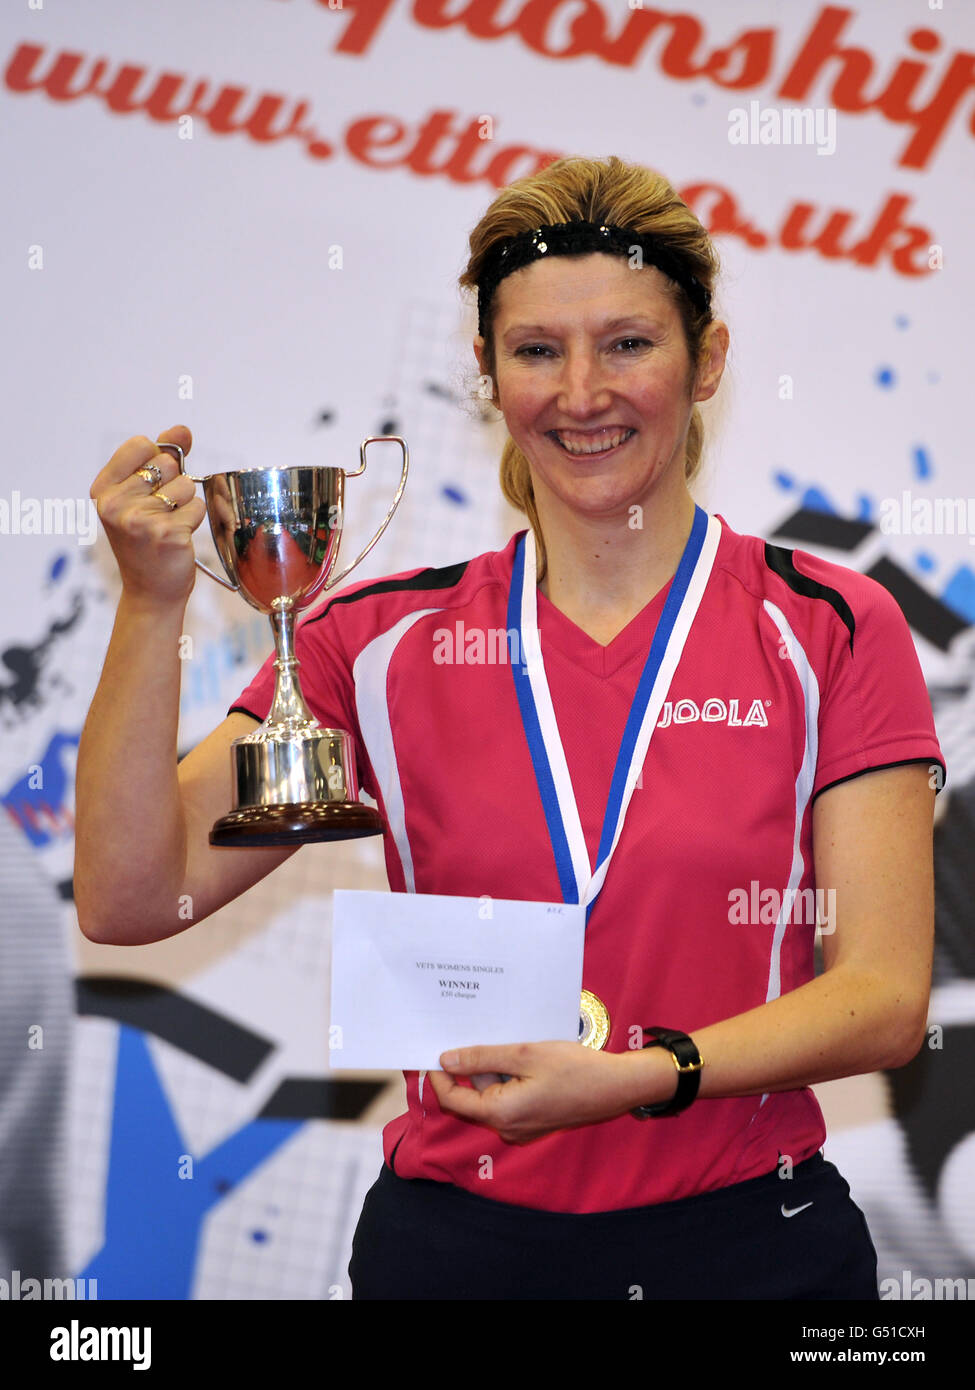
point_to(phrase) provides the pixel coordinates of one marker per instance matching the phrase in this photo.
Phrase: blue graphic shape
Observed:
(58, 566)
(41, 810)
(886, 377)
(154, 1218)
(925, 562)
(454, 494)
(923, 467)
(902, 321)
(812, 496)
(959, 593)
(816, 500)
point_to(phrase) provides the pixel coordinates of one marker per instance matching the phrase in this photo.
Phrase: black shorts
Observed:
(768, 1238)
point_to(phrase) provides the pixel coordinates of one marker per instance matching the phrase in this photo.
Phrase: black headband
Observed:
(574, 239)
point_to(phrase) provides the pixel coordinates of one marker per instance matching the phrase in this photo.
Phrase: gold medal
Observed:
(593, 1021)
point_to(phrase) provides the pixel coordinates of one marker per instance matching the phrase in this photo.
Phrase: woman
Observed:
(790, 748)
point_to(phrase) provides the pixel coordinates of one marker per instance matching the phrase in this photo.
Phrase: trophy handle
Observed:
(179, 456)
(375, 439)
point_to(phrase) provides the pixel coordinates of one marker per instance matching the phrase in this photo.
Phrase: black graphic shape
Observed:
(933, 1102)
(925, 613)
(824, 528)
(203, 1033)
(223, 1044)
(314, 1098)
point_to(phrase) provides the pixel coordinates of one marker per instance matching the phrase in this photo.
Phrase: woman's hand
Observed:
(152, 543)
(553, 1085)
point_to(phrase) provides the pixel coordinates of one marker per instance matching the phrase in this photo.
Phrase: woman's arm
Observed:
(872, 839)
(144, 868)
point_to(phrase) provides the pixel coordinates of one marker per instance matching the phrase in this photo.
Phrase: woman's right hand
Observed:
(152, 543)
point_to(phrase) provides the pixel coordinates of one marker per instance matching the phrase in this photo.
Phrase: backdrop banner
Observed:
(248, 216)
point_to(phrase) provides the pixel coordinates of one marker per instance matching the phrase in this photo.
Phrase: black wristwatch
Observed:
(688, 1062)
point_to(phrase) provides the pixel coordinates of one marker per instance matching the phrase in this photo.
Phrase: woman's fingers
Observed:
(178, 489)
(135, 453)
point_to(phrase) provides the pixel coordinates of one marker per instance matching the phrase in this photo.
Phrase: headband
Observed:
(574, 239)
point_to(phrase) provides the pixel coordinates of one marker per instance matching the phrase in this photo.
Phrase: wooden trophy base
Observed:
(301, 823)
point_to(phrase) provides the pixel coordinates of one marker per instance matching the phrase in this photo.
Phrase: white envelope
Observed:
(414, 975)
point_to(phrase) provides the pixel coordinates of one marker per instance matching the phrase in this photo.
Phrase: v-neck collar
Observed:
(566, 637)
(629, 645)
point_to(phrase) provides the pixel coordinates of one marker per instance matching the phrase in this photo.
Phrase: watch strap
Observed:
(687, 1060)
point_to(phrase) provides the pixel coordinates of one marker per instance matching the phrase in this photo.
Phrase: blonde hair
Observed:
(601, 191)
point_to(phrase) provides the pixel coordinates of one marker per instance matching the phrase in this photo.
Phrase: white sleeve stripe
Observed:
(804, 784)
(370, 672)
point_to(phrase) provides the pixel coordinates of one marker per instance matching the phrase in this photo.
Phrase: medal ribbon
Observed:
(579, 884)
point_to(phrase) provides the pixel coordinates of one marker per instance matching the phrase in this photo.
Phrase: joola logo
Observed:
(713, 711)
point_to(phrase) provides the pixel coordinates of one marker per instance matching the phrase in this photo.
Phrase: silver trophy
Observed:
(277, 533)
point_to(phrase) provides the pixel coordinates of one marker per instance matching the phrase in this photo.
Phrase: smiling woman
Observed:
(594, 287)
(588, 325)
(600, 340)
(597, 385)
(709, 724)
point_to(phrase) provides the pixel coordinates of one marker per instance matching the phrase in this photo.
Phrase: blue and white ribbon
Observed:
(578, 882)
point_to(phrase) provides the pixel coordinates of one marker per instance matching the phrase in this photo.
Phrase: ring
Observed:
(168, 500)
(151, 472)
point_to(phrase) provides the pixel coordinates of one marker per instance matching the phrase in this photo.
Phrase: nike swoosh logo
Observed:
(795, 1210)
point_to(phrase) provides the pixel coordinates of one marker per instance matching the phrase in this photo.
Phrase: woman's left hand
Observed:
(553, 1085)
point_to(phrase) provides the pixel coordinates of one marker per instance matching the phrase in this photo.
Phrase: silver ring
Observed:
(168, 500)
(151, 472)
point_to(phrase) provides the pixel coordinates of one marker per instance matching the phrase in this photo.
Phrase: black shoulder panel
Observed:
(780, 561)
(444, 578)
